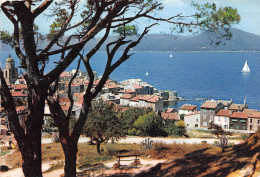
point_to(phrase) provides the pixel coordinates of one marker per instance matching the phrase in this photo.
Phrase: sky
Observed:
(249, 11)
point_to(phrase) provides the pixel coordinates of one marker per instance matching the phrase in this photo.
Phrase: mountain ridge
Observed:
(240, 41)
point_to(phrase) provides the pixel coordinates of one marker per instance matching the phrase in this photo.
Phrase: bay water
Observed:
(210, 75)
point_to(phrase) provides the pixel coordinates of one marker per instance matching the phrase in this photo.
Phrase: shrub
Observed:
(111, 149)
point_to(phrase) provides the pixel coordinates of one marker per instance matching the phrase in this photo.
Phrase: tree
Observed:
(130, 116)
(175, 128)
(70, 36)
(103, 123)
(150, 125)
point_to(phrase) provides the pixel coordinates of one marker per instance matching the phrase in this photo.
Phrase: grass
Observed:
(162, 150)
(2, 153)
(55, 166)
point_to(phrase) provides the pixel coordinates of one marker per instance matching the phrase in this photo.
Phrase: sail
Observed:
(171, 56)
(246, 68)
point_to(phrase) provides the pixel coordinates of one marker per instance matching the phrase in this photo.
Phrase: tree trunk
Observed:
(98, 147)
(70, 161)
(31, 150)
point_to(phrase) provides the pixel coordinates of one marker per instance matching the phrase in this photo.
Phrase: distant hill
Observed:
(241, 41)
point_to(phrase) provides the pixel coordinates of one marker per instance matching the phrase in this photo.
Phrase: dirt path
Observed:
(132, 140)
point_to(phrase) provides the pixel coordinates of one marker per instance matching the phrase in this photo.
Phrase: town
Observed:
(133, 93)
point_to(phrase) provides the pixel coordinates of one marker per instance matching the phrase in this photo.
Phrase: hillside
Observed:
(241, 41)
(239, 160)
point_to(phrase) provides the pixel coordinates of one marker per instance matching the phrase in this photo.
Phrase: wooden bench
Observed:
(124, 156)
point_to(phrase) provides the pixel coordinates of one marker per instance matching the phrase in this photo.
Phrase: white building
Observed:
(222, 118)
(192, 120)
(187, 109)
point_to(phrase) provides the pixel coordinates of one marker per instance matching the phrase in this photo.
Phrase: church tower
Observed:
(10, 72)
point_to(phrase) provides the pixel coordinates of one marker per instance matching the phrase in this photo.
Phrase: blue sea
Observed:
(211, 75)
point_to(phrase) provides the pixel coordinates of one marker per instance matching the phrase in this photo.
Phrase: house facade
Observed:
(187, 109)
(192, 120)
(222, 118)
(253, 121)
(207, 112)
(238, 121)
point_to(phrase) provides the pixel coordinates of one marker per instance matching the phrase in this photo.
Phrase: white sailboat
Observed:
(246, 68)
(171, 56)
(146, 74)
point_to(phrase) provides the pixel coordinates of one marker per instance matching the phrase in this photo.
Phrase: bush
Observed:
(244, 136)
(111, 149)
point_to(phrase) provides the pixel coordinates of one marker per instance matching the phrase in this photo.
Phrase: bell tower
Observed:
(10, 72)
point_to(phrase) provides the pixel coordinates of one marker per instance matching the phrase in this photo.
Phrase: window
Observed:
(226, 119)
(243, 121)
(237, 127)
(187, 125)
(204, 116)
(197, 120)
(211, 110)
(251, 120)
(211, 117)
(258, 121)
(205, 124)
(204, 110)
(218, 118)
(225, 126)
(244, 127)
(231, 126)
(251, 127)
(234, 120)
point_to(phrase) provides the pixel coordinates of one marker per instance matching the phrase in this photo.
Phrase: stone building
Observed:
(10, 72)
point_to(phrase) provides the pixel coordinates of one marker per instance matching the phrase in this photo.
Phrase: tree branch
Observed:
(70, 96)
(41, 8)
(8, 104)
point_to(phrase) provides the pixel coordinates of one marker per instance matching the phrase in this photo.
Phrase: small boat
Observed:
(146, 74)
(246, 68)
(171, 56)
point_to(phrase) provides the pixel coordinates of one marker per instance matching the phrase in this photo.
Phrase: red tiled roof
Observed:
(223, 112)
(239, 115)
(154, 99)
(126, 96)
(64, 100)
(145, 97)
(129, 91)
(20, 86)
(192, 113)
(19, 94)
(255, 115)
(137, 87)
(20, 108)
(249, 111)
(169, 110)
(236, 106)
(209, 105)
(188, 107)
(170, 116)
(112, 85)
(65, 74)
(64, 107)
(136, 98)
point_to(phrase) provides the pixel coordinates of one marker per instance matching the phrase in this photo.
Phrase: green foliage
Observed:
(150, 125)
(126, 30)
(61, 17)
(216, 20)
(6, 38)
(130, 116)
(175, 128)
(103, 123)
